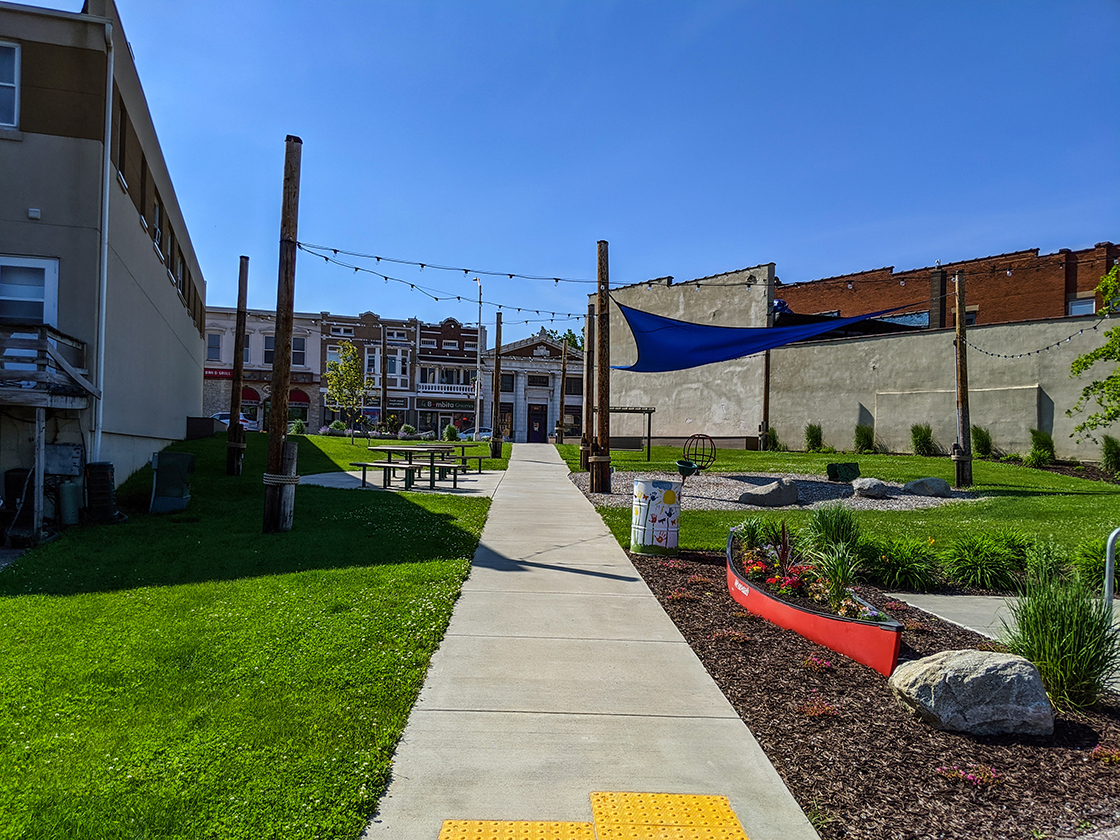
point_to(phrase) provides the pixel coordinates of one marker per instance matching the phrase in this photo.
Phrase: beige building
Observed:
(534, 384)
(101, 297)
(260, 345)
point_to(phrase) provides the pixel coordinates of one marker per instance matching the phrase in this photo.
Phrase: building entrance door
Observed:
(444, 422)
(538, 423)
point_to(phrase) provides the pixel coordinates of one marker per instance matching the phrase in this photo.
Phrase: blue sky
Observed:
(699, 137)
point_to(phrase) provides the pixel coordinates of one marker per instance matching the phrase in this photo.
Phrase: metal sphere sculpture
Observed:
(700, 450)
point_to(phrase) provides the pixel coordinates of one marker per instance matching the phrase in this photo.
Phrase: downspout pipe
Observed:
(103, 268)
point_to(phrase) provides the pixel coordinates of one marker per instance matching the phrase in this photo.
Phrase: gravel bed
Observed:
(721, 491)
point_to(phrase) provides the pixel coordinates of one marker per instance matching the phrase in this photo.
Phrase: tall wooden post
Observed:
(496, 410)
(383, 413)
(280, 482)
(588, 388)
(962, 453)
(38, 474)
(600, 459)
(235, 444)
(563, 389)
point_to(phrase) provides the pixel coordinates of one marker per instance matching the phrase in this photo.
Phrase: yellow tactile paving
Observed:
(514, 830)
(669, 832)
(662, 809)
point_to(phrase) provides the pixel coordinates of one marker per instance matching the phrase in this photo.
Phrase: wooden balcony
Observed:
(41, 367)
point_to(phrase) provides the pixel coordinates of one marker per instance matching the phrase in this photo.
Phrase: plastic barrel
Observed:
(655, 525)
(101, 493)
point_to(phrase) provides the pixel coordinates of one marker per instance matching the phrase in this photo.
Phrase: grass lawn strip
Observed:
(186, 676)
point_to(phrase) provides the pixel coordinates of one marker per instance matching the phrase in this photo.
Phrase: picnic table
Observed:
(463, 447)
(431, 451)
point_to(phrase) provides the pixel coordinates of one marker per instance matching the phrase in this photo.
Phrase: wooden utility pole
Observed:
(383, 413)
(600, 459)
(496, 410)
(563, 389)
(280, 479)
(235, 444)
(962, 452)
(588, 388)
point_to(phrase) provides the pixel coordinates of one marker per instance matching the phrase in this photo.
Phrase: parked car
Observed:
(483, 433)
(223, 417)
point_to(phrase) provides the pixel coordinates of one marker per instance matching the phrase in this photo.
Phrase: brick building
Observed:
(256, 391)
(1019, 286)
(423, 374)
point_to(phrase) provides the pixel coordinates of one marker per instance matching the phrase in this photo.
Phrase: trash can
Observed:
(654, 528)
(171, 482)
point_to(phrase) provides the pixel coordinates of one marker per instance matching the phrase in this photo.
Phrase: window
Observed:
(538, 381)
(449, 376)
(470, 345)
(269, 349)
(342, 331)
(391, 366)
(28, 291)
(9, 85)
(246, 348)
(428, 375)
(398, 335)
(213, 347)
(299, 351)
(180, 273)
(371, 363)
(1082, 306)
(332, 353)
(157, 226)
(507, 382)
(573, 385)
(451, 345)
(429, 342)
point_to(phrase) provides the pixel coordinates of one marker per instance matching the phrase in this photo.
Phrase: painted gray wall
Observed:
(897, 381)
(719, 400)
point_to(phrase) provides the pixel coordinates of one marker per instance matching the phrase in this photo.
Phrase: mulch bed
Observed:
(869, 771)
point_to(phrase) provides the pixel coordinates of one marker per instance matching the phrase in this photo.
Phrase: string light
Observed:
(1037, 352)
(434, 294)
(422, 265)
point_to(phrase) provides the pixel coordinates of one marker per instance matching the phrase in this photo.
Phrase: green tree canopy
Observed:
(1106, 391)
(347, 383)
(573, 338)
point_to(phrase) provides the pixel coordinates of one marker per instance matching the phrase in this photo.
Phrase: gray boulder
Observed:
(780, 493)
(870, 488)
(928, 487)
(975, 692)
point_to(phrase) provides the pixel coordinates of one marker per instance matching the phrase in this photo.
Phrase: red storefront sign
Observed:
(217, 373)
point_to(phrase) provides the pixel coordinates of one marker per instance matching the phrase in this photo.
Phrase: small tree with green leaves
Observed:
(1105, 392)
(574, 339)
(347, 383)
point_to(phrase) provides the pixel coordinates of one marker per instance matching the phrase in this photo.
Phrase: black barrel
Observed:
(101, 493)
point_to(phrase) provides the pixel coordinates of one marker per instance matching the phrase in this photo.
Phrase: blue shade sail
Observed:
(666, 344)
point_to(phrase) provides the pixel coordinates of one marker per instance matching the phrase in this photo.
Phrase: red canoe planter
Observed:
(872, 643)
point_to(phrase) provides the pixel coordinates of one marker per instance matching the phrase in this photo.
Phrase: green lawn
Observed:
(186, 676)
(1040, 503)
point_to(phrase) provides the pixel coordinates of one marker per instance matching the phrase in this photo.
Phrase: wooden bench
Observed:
(387, 469)
(445, 467)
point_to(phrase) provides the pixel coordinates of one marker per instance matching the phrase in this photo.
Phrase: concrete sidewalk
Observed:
(560, 676)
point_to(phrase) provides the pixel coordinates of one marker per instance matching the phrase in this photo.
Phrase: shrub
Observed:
(298, 427)
(749, 532)
(836, 566)
(1045, 559)
(814, 438)
(408, 429)
(1016, 543)
(921, 439)
(831, 525)
(899, 564)
(1068, 635)
(981, 442)
(773, 442)
(1012, 458)
(1042, 449)
(324, 429)
(1089, 562)
(1110, 455)
(450, 432)
(980, 561)
(338, 426)
(865, 439)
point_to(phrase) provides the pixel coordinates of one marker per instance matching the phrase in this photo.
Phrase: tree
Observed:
(573, 338)
(347, 383)
(1106, 391)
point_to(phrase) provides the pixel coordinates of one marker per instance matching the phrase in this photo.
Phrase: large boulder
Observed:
(842, 472)
(780, 493)
(975, 692)
(928, 487)
(870, 488)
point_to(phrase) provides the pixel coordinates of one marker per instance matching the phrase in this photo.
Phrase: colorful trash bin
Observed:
(655, 525)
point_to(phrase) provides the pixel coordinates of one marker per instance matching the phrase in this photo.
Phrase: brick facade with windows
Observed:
(1018, 286)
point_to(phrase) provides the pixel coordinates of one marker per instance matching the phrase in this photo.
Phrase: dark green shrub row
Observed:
(921, 439)
(814, 438)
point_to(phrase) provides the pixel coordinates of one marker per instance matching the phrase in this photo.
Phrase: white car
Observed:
(483, 434)
(247, 423)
